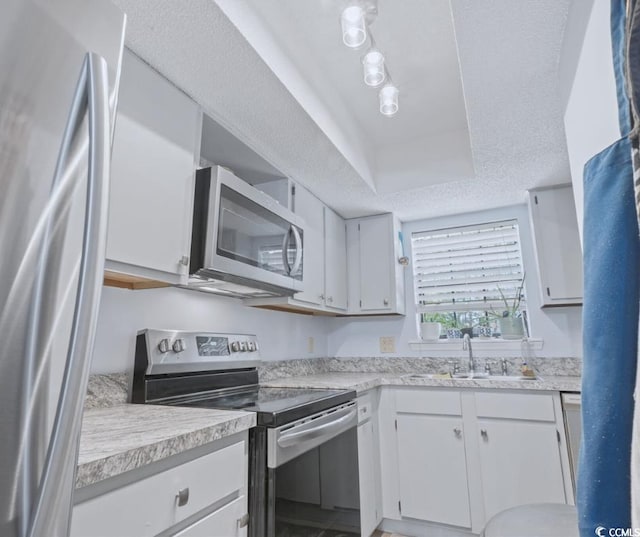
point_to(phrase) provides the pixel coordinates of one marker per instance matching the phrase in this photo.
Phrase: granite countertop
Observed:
(120, 438)
(361, 382)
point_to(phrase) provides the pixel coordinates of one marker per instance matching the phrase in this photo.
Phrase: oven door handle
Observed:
(342, 421)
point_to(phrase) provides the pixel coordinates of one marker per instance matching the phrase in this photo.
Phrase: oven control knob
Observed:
(163, 346)
(178, 345)
(243, 346)
(235, 346)
(251, 346)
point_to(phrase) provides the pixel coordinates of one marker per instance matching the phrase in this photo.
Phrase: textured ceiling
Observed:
(508, 56)
(427, 141)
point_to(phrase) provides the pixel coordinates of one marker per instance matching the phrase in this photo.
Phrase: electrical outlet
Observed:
(388, 344)
(311, 344)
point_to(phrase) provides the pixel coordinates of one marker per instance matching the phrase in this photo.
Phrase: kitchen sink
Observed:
(477, 376)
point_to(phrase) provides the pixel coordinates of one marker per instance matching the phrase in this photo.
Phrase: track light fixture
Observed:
(355, 21)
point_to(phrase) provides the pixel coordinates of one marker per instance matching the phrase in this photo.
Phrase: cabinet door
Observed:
(433, 469)
(154, 157)
(225, 522)
(557, 244)
(519, 463)
(367, 469)
(335, 240)
(312, 210)
(375, 255)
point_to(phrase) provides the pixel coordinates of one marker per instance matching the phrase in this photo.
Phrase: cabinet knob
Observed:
(184, 260)
(243, 522)
(458, 432)
(330, 299)
(386, 301)
(183, 496)
(484, 434)
(322, 296)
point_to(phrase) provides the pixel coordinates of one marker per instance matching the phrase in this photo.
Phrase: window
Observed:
(464, 275)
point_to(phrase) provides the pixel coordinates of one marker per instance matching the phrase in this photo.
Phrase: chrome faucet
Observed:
(466, 345)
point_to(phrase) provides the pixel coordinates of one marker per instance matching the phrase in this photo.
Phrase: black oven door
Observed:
(306, 493)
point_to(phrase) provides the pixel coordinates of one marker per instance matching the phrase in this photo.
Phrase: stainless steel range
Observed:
(302, 454)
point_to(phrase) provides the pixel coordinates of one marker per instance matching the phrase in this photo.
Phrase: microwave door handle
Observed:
(298, 260)
(285, 252)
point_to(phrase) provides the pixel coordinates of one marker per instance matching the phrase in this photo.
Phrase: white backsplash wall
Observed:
(560, 328)
(123, 312)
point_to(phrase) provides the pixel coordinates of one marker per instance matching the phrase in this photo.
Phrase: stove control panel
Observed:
(166, 351)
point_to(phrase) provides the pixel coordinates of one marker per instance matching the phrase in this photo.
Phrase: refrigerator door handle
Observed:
(91, 96)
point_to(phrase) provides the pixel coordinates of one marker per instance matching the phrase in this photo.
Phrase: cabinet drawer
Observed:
(149, 506)
(426, 401)
(225, 522)
(523, 406)
(365, 407)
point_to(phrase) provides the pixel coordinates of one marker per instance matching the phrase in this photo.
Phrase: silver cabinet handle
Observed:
(92, 95)
(484, 434)
(243, 521)
(458, 432)
(298, 259)
(182, 497)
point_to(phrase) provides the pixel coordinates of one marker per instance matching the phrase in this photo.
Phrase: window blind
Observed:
(466, 268)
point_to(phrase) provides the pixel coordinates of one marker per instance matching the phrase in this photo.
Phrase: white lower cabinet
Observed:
(369, 463)
(433, 469)
(224, 522)
(461, 456)
(519, 464)
(203, 496)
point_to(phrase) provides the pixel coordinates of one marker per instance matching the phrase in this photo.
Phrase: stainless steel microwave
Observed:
(243, 242)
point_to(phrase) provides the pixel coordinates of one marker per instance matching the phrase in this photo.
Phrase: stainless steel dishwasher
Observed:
(571, 409)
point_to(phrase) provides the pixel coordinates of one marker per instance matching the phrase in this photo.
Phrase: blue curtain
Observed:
(610, 320)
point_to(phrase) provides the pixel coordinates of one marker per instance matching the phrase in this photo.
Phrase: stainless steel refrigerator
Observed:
(59, 74)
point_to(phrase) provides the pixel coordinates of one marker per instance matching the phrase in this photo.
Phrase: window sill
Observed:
(480, 344)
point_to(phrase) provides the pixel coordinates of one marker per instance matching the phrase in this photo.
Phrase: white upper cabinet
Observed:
(324, 261)
(557, 245)
(155, 151)
(375, 277)
(311, 209)
(335, 249)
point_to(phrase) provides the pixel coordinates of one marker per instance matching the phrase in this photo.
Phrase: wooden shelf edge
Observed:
(127, 281)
